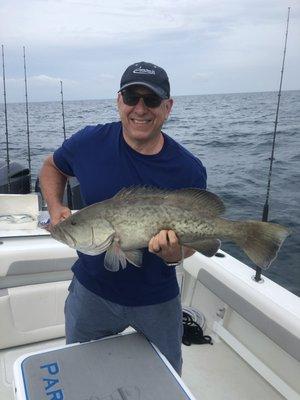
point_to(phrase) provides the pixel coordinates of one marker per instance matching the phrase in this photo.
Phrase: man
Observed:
(106, 158)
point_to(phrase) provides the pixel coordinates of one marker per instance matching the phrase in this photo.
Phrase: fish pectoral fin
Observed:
(135, 257)
(114, 257)
(206, 247)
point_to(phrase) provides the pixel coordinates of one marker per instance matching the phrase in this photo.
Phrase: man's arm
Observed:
(53, 182)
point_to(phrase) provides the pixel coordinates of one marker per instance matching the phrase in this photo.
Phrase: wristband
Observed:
(173, 264)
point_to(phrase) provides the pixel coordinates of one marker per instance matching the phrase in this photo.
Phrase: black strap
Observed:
(192, 332)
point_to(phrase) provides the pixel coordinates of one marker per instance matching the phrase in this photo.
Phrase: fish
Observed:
(123, 225)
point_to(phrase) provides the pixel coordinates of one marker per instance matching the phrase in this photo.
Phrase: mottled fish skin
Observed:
(123, 226)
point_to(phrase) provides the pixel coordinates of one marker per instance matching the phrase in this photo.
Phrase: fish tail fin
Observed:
(261, 241)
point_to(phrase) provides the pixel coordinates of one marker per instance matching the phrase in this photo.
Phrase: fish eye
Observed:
(73, 223)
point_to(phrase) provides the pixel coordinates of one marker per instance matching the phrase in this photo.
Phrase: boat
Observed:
(254, 323)
(254, 326)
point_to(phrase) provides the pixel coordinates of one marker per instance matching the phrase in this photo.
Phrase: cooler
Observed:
(121, 367)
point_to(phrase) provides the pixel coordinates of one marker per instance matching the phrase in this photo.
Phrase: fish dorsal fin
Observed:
(200, 200)
(141, 191)
(193, 199)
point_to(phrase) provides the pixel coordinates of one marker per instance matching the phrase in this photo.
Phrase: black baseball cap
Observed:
(149, 75)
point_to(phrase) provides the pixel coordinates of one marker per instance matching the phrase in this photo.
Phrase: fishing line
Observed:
(27, 119)
(265, 215)
(6, 124)
(69, 190)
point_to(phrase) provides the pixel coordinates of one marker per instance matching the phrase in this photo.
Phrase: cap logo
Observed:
(144, 71)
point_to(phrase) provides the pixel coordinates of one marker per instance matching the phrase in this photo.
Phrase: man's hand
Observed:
(165, 244)
(53, 183)
(58, 214)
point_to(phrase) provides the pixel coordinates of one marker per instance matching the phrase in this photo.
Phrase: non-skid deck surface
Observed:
(218, 373)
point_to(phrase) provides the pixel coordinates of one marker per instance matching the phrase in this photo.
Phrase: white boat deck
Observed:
(217, 372)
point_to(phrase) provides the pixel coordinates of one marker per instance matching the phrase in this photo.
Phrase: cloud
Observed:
(38, 85)
(106, 22)
(88, 44)
(44, 80)
(203, 76)
(50, 80)
(104, 77)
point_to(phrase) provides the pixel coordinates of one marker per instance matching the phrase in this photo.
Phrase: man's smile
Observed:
(140, 121)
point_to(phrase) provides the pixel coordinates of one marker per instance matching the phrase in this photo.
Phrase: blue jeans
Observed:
(90, 317)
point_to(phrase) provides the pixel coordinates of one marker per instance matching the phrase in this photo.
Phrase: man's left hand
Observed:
(165, 244)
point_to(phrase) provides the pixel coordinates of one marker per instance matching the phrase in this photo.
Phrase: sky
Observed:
(206, 46)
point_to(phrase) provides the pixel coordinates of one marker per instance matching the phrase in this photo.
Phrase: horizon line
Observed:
(175, 96)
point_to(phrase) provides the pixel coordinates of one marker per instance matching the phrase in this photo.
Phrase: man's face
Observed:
(141, 123)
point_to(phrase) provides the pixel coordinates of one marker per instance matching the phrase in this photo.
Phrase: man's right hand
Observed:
(58, 214)
(53, 183)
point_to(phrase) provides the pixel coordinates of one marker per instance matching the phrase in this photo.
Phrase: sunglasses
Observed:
(131, 98)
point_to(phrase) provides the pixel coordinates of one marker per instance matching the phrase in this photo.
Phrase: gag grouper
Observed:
(123, 226)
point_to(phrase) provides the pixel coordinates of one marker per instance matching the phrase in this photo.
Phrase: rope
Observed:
(193, 324)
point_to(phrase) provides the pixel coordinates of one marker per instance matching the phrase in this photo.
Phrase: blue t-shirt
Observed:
(104, 163)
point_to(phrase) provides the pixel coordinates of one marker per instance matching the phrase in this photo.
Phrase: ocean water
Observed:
(231, 133)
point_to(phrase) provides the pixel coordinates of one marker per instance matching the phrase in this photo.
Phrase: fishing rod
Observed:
(27, 119)
(63, 109)
(265, 215)
(69, 190)
(6, 124)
